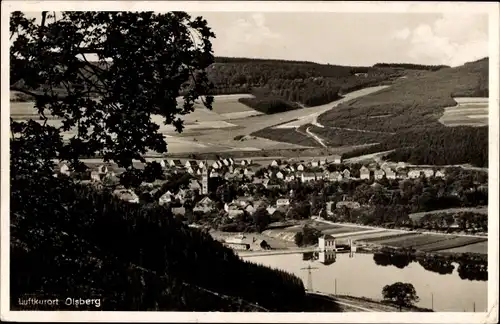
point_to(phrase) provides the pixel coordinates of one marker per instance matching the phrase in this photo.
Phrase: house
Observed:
(414, 174)
(231, 161)
(378, 174)
(233, 210)
(390, 174)
(178, 211)
(348, 204)
(346, 174)
(190, 164)
(167, 197)
(326, 242)
(216, 165)
(248, 172)
(271, 210)
(95, 176)
(213, 174)
(250, 209)
(162, 163)
(439, 174)
(205, 205)
(239, 242)
(127, 195)
(279, 175)
(364, 173)
(282, 202)
(326, 175)
(243, 200)
(64, 169)
(323, 162)
(206, 201)
(291, 168)
(336, 159)
(305, 177)
(175, 163)
(246, 162)
(237, 171)
(201, 165)
(199, 172)
(336, 176)
(359, 75)
(290, 177)
(181, 194)
(195, 186)
(190, 170)
(428, 173)
(274, 163)
(300, 167)
(314, 163)
(401, 174)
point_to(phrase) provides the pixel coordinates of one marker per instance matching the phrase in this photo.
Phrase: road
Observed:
(315, 137)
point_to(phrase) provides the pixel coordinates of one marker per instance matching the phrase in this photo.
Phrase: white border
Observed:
(259, 6)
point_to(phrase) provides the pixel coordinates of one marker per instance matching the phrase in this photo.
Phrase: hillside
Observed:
(405, 117)
(414, 102)
(293, 81)
(149, 262)
(309, 83)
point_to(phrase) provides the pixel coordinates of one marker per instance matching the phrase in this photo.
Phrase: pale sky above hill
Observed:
(350, 38)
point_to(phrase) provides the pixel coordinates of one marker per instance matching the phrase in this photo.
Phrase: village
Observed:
(229, 197)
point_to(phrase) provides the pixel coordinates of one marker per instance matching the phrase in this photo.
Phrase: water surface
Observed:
(360, 276)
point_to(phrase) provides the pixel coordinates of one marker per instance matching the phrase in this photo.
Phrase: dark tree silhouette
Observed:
(144, 62)
(401, 294)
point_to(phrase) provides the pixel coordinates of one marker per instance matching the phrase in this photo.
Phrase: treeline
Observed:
(470, 266)
(150, 262)
(410, 66)
(308, 83)
(438, 146)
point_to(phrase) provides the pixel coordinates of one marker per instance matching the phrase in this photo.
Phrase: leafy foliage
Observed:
(138, 72)
(308, 236)
(402, 294)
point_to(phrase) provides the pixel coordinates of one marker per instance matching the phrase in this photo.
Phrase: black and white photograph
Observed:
(250, 161)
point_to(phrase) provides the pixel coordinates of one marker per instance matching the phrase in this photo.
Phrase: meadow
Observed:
(467, 112)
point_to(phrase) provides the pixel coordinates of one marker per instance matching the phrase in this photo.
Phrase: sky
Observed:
(359, 39)
(351, 38)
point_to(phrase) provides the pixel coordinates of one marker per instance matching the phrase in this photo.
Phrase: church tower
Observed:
(204, 179)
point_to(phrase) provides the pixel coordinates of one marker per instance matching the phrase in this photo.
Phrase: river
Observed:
(358, 275)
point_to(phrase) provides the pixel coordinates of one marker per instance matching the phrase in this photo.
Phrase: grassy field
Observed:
(454, 242)
(345, 137)
(289, 135)
(467, 112)
(342, 230)
(478, 210)
(481, 247)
